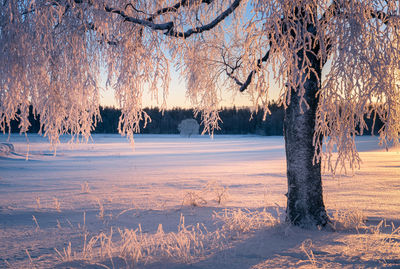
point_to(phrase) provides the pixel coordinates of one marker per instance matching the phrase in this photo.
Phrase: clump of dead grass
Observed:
(349, 219)
(377, 244)
(245, 220)
(189, 244)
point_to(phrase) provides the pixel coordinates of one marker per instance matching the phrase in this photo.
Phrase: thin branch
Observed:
(382, 16)
(135, 9)
(233, 68)
(91, 26)
(174, 8)
(31, 10)
(155, 26)
(250, 76)
(208, 26)
(244, 85)
(332, 10)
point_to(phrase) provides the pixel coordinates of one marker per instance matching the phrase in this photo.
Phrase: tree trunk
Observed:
(305, 206)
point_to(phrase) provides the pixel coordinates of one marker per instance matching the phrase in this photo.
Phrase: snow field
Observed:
(175, 202)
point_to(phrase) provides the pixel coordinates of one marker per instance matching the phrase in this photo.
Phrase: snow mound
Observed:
(6, 148)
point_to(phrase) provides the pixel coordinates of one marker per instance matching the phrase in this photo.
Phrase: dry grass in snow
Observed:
(187, 203)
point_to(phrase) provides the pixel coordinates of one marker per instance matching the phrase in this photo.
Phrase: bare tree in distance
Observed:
(336, 61)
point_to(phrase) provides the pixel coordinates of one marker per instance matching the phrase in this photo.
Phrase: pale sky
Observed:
(177, 96)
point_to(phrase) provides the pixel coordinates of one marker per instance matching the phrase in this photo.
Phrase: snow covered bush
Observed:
(6, 148)
(188, 127)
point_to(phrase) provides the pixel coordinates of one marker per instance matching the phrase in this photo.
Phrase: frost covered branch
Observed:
(168, 27)
(174, 8)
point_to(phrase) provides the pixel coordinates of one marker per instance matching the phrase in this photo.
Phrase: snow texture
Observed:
(90, 190)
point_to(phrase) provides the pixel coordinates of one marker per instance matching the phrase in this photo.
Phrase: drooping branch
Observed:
(89, 25)
(335, 10)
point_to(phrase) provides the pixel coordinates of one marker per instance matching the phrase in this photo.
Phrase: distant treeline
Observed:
(234, 121)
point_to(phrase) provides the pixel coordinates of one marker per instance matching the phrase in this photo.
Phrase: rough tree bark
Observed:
(305, 206)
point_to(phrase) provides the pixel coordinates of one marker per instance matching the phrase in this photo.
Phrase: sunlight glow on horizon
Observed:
(177, 96)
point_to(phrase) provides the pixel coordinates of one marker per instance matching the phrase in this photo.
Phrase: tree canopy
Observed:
(52, 53)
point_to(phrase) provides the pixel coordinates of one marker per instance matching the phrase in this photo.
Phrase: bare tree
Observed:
(336, 62)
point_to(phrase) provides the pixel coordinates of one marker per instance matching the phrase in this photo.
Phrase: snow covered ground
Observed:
(104, 205)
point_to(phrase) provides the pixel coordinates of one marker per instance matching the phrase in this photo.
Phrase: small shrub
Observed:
(101, 209)
(38, 205)
(85, 187)
(57, 204)
(192, 198)
(219, 192)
